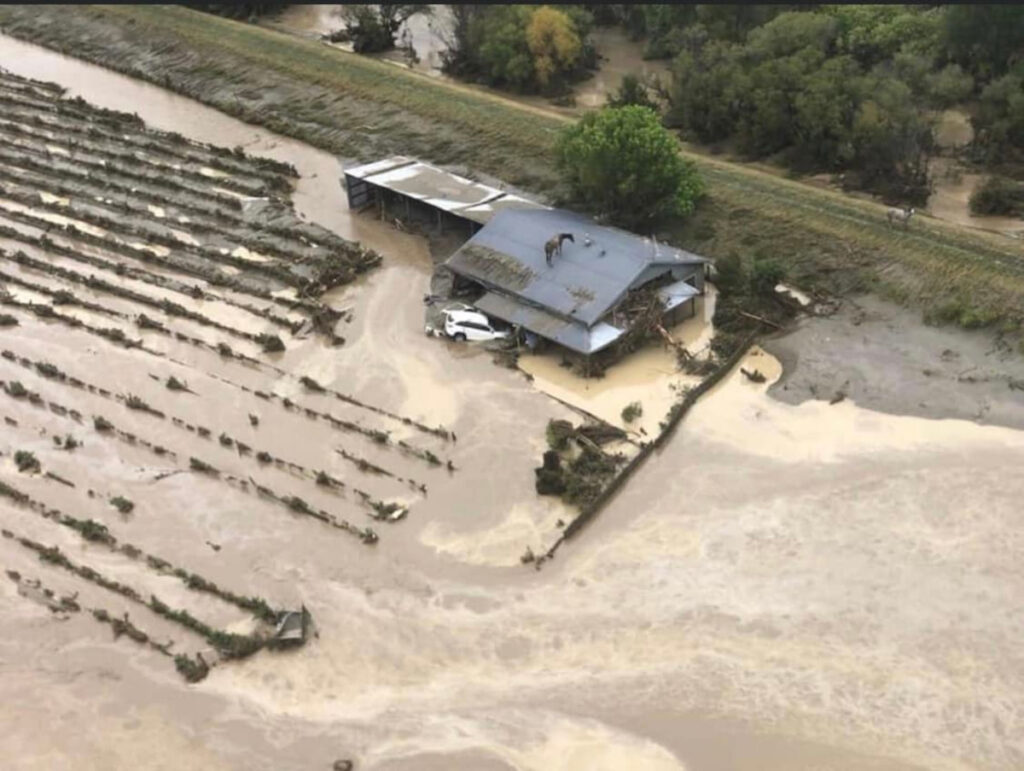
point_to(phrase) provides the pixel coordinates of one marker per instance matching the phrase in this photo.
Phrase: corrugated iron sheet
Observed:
(584, 282)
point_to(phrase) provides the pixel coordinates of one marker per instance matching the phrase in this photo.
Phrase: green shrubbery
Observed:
(998, 195)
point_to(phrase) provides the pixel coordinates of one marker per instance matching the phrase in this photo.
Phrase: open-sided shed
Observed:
(416, 187)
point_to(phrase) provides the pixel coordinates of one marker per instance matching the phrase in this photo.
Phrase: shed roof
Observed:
(438, 188)
(583, 283)
(572, 334)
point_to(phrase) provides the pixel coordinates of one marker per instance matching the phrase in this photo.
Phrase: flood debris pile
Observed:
(575, 467)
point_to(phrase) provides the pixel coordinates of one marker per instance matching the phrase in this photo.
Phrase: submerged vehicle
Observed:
(469, 325)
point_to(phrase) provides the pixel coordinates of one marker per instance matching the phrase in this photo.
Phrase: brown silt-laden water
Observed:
(785, 586)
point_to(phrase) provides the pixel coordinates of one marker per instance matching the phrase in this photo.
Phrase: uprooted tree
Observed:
(621, 162)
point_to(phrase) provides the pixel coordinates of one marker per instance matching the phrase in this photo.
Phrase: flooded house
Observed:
(557, 276)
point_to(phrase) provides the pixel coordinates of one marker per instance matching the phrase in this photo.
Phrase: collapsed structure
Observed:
(554, 273)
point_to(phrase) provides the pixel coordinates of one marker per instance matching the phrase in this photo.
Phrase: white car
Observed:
(471, 325)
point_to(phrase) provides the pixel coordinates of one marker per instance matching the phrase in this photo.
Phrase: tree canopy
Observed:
(624, 164)
(520, 47)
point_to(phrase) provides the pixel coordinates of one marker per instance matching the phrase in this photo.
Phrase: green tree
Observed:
(519, 47)
(632, 90)
(949, 86)
(986, 40)
(999, 122)
(553, 42)
(373, 28)
(710, 90)
(875, 33)
(623, 163)
(890, 142)
(825, 107)
(504, 53)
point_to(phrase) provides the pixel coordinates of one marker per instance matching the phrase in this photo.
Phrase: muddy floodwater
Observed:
(784, 587)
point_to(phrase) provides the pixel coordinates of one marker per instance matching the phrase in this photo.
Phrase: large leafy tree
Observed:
(999, 122)
(552, 39)
(623, 163)
(987, 40)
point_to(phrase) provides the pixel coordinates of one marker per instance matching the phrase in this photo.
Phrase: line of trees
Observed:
(839, 88)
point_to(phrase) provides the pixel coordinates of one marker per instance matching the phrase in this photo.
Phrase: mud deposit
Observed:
(783, 588)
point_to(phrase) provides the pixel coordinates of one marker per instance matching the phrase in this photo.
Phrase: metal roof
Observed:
(584, 282)
(572, 334)
(676, 294)
(438, 188)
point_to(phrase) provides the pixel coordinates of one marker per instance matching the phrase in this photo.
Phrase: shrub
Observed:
(122, 504)
(373, 28)
(998, 195)
(949, 86)
(101, 424)
(558, 434)
(7, 320)
(16, 389)
(197, 465)
(631, 412)
(623, 163)
(26, 461)
(731, 276)
(632, 91)
(765, 275)
(270, 343)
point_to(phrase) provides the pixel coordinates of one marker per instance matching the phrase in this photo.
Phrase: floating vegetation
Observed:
(26, 461)
(270, 343)
(203, 467)
(173, 384)
(311, 384)
(122, 504)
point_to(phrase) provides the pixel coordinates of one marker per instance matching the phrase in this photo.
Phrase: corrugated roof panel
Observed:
(573, 335)
(676, 294)
(369, 169)
(584, 281)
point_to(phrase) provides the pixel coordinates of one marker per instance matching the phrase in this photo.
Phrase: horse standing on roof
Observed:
(900, 215)
(554, 245)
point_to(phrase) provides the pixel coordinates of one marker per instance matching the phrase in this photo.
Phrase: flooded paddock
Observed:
(781, 588)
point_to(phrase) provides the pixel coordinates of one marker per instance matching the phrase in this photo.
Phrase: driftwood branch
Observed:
(759, 318)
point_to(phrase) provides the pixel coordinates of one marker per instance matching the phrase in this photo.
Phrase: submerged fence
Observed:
(678, 412)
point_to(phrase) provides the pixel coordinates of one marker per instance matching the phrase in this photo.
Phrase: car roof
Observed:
(466, 316)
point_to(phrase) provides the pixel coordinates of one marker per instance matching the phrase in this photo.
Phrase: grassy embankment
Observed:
(363, 108)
